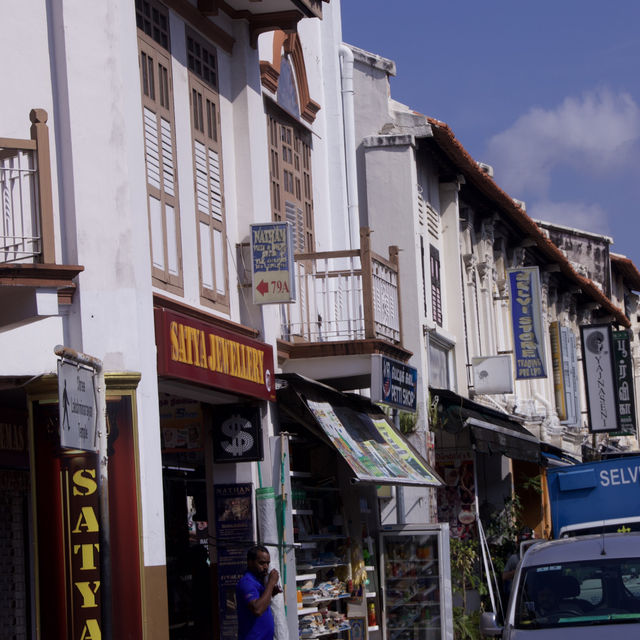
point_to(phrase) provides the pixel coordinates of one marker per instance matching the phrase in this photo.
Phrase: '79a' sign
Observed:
(272, 263)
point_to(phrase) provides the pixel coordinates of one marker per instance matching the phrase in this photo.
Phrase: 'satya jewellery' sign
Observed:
(190, 349)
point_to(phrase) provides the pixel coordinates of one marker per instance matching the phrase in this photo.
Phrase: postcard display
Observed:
(336, 582)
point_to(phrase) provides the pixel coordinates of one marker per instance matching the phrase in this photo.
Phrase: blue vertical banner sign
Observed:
(623, 371)
(526, 317)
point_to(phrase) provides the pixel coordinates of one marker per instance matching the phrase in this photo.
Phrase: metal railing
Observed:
(26, 228)
(344, 295)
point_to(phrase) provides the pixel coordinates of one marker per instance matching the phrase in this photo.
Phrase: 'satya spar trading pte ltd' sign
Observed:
(190, 349)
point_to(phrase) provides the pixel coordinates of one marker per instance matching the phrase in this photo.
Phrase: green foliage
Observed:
(466, 626)
(464, 577)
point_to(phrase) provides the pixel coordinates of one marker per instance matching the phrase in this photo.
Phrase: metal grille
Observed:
(20, 239)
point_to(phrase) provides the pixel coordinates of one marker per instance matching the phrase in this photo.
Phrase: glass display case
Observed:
(416, 582)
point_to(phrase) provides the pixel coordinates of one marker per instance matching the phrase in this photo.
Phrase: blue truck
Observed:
(595, 497)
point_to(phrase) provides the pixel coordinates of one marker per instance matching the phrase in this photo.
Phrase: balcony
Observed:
(32, 285)
(348, 306)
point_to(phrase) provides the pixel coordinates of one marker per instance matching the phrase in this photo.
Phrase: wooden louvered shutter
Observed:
(159, 143)
(208, 183)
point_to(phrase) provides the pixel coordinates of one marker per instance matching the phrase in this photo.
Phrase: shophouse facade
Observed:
(466, 246)
(134, 158)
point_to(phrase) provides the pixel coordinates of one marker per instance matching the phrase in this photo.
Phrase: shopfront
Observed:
(353, 576)
(215, 383)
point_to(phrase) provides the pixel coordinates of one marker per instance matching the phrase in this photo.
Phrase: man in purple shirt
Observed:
(253, 596)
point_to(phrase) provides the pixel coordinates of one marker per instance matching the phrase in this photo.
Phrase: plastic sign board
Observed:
(623, 372)
(492, 374)
(597, 362)
(272, 263)
(77, 404)
(393, 383)
(526, 316)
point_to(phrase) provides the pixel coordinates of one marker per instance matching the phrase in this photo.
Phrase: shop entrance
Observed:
(190, 567)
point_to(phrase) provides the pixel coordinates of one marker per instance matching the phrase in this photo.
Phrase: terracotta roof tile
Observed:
(447, 141)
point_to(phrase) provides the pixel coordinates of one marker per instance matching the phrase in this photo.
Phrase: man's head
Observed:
(258, 561)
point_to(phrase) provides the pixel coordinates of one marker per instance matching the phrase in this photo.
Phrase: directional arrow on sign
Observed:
(262, 287)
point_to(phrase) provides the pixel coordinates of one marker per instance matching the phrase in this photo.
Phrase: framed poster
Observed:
(358, 629)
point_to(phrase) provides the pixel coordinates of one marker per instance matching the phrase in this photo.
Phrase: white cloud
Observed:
(597, 132)
(588, 217)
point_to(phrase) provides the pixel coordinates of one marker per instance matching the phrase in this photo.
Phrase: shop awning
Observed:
(491, 431)
(373, 448)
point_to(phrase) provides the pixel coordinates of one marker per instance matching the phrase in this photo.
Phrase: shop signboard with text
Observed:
(197, 351)
(272, 265)
(526, 318)
(565, 373)
(623, 373)
(393, 383)
(597, 362)
(234, 536)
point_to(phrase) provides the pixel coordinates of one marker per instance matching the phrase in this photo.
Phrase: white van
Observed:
(586, 587)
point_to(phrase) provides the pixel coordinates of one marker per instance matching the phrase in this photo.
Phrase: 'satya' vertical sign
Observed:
(526, 317)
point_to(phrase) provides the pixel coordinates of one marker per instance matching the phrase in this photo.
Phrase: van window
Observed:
(589, 592)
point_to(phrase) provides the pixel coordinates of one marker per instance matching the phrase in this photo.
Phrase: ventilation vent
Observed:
(485, 168)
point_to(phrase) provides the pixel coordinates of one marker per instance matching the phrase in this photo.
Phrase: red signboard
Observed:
(190, 349)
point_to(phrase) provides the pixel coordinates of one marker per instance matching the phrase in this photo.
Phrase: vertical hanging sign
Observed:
(597, 362)
(623, 370)
(526, 318)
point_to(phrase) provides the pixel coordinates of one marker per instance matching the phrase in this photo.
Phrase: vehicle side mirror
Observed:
(489, 625)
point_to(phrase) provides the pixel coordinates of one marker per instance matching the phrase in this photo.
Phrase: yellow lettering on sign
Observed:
(84, 483)
(173, 338)
(91, 630)
(88, 555)
(182, 349)
(220, 355)
(87, 520)
(202, 361)
(88, 593)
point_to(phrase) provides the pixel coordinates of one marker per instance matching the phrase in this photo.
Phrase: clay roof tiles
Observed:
(446, 140)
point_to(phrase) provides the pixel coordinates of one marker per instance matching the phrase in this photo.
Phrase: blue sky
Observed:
(546, 92)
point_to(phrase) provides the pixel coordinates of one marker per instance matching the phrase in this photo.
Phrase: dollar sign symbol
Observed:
(239, 440)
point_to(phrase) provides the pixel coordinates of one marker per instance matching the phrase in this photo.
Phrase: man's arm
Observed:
(259, 606)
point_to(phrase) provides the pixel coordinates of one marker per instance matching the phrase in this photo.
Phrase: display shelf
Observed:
(300, 474)
(394, 604)
(342, 596)
(305, 545)
(305, 576)
(302, 512)
(305, 610)
(311, 567)
(304, 636)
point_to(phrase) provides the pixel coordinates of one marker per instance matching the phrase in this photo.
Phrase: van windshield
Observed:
(588, 592)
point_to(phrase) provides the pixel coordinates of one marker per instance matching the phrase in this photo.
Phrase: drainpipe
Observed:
(348, 122)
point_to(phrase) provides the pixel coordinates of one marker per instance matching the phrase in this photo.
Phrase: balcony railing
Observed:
(26, 229)
(345, 295)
